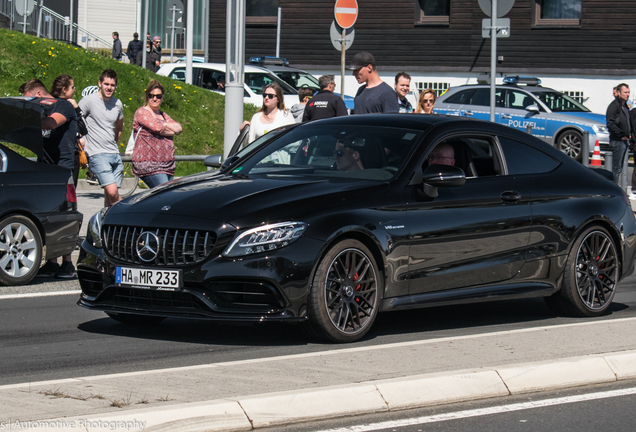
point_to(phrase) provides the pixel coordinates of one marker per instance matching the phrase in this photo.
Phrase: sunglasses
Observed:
(429, 101)
(269, 95)
(155, 96)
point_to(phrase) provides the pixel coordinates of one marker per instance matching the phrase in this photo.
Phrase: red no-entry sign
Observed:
(346, 12)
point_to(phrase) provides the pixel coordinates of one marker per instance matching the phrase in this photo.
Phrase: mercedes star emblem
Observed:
(147, 246)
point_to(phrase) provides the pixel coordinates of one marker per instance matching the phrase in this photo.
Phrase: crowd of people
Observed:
(93, 127)
(621, 123)
(135, 51)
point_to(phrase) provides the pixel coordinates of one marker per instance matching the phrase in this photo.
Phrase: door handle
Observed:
(506, 116)
(468, 113)
(510, 196)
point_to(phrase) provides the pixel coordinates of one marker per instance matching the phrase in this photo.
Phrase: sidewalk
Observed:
(250, 394)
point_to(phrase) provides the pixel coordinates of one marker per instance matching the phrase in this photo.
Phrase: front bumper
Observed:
(262, 287)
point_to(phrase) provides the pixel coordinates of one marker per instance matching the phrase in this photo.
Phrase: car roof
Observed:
(529, 88)
(217, 66)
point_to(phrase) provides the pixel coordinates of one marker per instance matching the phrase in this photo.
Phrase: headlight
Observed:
(600, 129)
(265, 238)
(94, 229)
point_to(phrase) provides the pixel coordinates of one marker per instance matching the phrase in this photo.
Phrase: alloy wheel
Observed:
(596, 270)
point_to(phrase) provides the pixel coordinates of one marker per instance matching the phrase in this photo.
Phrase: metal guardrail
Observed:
(45, 22)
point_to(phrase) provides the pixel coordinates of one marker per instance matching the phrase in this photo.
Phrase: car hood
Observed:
(242, 200)
(600, 118)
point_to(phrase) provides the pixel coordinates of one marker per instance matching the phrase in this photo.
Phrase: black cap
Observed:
(361, 59)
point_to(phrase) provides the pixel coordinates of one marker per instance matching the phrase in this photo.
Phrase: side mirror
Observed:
(533, 108)
(443, 176)
(213, 161)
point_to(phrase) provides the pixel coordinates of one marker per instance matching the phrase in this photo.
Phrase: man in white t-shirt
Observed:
(104, 117)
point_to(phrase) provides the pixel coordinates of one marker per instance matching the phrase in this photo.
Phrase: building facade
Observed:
(582, 47)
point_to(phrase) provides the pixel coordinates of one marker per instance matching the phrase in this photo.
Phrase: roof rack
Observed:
(522, 80)
(269, 60)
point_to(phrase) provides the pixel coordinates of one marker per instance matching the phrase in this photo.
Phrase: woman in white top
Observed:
(272, 115)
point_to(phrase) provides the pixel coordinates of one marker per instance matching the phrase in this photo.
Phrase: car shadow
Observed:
(399, 326)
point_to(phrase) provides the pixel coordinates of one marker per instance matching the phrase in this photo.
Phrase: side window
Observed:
(474, 155)
(481, 97)
(518, 100)
(463, 97)
(523, 159)
(178, 74)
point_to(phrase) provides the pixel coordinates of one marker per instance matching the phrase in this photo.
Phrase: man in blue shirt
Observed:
(402, 87)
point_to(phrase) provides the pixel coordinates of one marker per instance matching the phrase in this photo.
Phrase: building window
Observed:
(261, 11)
(439, 87)
(557, 13)
(432, 12)
(576, 95)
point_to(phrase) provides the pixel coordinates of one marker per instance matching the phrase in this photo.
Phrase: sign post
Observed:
(174, 7)
(494, 10)
(346, 13)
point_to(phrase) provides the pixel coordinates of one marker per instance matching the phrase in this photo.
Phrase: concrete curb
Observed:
(285, 408)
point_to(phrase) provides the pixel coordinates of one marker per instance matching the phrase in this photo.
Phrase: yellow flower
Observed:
(75, 49)
(129, 98)
(31, 42)
(49, 52)
(53, 55)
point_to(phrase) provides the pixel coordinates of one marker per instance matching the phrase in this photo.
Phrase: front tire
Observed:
(345, 294)
(20, 250)
(571, 143)
(591, 275)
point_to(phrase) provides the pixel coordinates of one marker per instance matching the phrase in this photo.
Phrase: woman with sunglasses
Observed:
(272, 115)
(153, 154)
(426, 102)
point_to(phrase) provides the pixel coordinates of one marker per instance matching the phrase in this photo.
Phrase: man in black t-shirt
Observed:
(376, 96)
(59, 131)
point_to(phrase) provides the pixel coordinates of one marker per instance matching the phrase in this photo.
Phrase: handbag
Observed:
(131, 141)
(83, 160)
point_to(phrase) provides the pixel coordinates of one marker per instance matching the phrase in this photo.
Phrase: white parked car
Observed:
(211, 76)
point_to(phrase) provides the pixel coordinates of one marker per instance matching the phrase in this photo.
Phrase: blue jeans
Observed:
(156, 179)
(619, 150)
(107, 167)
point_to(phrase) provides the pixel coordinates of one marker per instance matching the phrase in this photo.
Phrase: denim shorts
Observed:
(107, 167)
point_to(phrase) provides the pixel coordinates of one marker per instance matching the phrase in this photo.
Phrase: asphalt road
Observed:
(45, 338)
(606, 407)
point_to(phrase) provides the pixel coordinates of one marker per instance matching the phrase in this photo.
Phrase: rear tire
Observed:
(135, 319)
(590, 276)
(20, 250)
(345, 295)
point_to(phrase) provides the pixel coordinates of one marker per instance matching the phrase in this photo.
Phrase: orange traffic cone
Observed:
(596, 156)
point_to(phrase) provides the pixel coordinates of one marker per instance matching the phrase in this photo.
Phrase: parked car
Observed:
(211, 76)
(296, 78)
(279, 234)
(555, 117)
(38, 205)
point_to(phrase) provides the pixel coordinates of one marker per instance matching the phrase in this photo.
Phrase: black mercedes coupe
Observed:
(330, 222)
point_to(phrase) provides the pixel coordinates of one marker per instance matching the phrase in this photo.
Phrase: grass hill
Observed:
(200, 112)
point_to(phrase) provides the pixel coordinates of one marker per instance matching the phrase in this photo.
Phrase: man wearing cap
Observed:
(376, 96)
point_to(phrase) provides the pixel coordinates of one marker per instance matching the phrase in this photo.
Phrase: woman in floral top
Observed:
(153, 154)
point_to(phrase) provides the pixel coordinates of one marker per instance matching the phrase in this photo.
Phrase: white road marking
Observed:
(318, 354)
(485, 411)
(41, 294)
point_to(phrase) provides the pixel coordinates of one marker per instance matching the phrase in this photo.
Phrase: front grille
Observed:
(151, 299)
(176, 247)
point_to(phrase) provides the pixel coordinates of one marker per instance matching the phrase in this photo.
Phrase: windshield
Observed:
(361, 152)
(257, 81)
(299, 79)
(558, 102)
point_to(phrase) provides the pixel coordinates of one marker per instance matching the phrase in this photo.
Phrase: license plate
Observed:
(167, 280)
